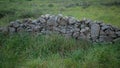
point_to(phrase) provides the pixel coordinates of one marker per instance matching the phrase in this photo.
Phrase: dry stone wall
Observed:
(86, 29)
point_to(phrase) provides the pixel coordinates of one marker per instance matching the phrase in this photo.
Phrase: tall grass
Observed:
(31, 51)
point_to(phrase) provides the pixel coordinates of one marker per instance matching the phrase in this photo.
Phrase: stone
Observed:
(47, 16)
(63, 31)
(15, 24)
(34, 22)
(118, 33)
(59, 17)
(20, 29)
(42, 20)
(95, 30)
(52, 21)
(105, 39)
(104, 27)
(84, 30)
(37, 29)
(27, 20)
(77, 24)
(76, 34)
(63, 21)
(76, 30)
(110, 33)
(72, 20)
(85, 33)
(87, 22)
(82, 26)
(12, 29)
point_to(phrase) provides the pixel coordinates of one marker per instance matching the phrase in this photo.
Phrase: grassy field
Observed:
(55, 51)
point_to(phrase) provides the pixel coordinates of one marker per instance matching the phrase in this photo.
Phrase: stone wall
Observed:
(94, 31)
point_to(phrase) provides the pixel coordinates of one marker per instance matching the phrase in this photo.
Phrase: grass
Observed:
(55, 51)
(29, 51)
(34, 8)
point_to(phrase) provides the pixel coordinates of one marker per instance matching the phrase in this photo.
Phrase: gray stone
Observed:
(77, 25)
(104, 27)
(15, 24)
(105, 39)
(87, 22)
(59, 17)
(63, 21)
(110, 33)
(11, 29)
(76, 34)
(95, 30)
(63, 31)
(37, 29)
(27, 20)
(34, 22)
(76, 30)
(20, 29)
(42, 20)
(118, 33)
(85, 33)
(72, 20)
(52, 21)
(82, 26)
(47, 16)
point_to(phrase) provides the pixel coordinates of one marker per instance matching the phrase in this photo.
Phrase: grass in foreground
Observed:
(30, 51)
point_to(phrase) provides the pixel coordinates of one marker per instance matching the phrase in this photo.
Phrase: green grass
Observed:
(34, 8)
(30, 51)
(38, 51)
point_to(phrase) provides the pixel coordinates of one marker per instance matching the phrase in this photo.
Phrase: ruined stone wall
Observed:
(94, 31)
